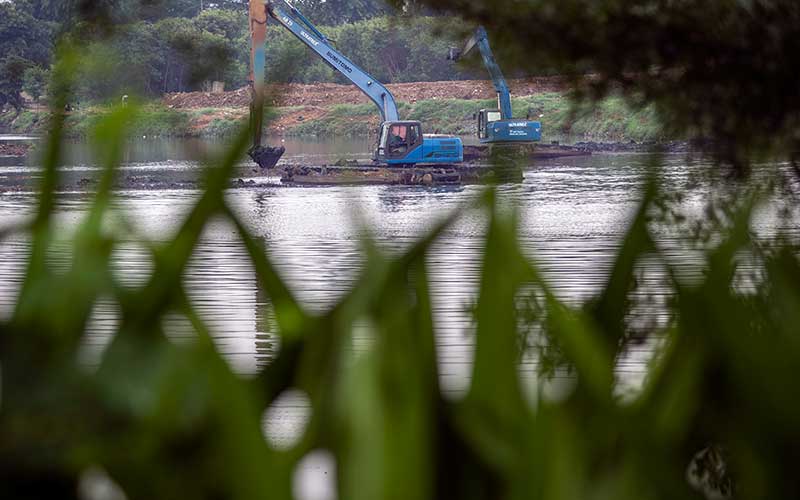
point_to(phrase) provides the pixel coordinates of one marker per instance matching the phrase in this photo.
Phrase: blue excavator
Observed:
(497, 126)
(400, 142)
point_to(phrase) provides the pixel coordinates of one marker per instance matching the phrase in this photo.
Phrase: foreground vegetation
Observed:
(157, 419)
(612, 120)
(717, 415)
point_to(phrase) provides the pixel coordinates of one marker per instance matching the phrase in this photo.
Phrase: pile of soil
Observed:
(288, 120)
(326, 94)
(14, 149)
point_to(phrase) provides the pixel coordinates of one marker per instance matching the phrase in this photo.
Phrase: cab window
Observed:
(402, 137)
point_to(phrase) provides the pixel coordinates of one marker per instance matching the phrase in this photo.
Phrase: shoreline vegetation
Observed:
(331, 110)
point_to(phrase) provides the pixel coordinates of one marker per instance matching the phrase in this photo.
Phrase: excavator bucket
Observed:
(266, 157)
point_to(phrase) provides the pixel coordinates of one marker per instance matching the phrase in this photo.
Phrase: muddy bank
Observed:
(289, 172)
(14, 149)
(329, 110)
(287, 175)
(356, 175)
(248, 177)
(643, 147)
(81, 182)
(533, 152)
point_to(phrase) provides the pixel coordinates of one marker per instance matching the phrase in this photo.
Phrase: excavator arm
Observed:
(481, 40)
(297, 24)
(408, 145)
(497, 126)
(303, 30)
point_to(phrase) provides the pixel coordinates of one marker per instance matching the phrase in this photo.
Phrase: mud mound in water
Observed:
(14, 149)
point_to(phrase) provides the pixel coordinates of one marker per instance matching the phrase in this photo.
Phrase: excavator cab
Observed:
(398, 138)
(402, 143)
(486, 116)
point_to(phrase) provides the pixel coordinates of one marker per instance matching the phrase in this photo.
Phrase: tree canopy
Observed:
(149, 47)
(335, 12)
(24, 41)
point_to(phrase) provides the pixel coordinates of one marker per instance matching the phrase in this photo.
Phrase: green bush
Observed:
(26, 122)
(222, 127)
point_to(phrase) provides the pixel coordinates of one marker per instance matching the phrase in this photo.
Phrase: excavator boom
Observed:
(481, 40)
(497, 126)
(399, 142)
(304, 31)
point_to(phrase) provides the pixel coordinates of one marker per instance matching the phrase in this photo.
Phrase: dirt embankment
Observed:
(314, 101)
(328, 94)
(14, 149)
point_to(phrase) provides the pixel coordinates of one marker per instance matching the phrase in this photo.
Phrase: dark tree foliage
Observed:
(160, 9)
(335, 12)
(724, 69)
(23, 35)
(11, 70)
(24, 42)
(34, 81)
(149, 47)
(173, 54)
(48, 10)
(68, 12)
(389, 50)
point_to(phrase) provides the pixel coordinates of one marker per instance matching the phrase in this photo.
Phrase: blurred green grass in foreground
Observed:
(718, 412)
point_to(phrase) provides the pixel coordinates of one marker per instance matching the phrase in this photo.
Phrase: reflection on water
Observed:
(573, 212)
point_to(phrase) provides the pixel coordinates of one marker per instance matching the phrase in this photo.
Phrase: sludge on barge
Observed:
(478, 166)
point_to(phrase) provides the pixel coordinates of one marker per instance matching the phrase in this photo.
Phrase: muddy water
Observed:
(573, 213)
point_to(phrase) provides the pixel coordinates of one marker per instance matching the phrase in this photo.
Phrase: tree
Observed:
(34, 81)
(11, 70)
(46, 10)
(391, 51)
(335, 12)
(153, 10)
(225, 23)
(24, 41)
(23, 35)
(193, 54)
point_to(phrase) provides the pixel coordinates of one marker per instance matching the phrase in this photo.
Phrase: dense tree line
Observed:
(171, 54)
(389, 48)
(178, 45)
(24, 43)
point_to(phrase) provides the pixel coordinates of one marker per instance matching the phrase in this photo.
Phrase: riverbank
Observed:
(331, 110)
(14, 149)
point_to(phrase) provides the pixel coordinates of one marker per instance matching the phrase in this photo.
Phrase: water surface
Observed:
(573, 214)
